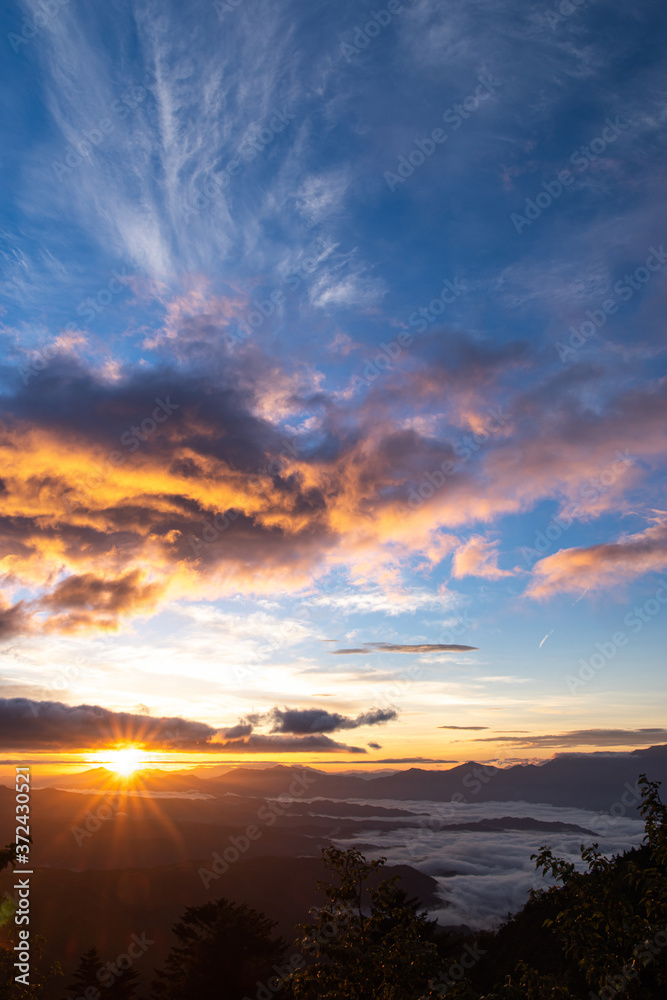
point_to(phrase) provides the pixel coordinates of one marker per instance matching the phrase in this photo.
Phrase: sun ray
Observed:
(124, 762)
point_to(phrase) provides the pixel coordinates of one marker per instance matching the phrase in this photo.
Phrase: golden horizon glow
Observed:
(124, 762)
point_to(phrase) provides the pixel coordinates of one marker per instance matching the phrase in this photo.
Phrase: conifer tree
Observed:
(224, 949)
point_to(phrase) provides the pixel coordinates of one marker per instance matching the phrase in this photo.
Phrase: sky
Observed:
(333, 380)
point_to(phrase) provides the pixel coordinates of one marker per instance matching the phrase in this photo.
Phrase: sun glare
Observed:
(123, 762)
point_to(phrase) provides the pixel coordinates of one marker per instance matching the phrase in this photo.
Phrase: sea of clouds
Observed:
(493, 869)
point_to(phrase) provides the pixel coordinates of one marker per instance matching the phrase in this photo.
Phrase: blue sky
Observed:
(382, 290)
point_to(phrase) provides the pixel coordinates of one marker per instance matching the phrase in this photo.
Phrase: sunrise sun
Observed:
(124, 762)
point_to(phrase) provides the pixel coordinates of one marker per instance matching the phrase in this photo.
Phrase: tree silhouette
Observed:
(365, 942)
(598, 933)
(87, 975)
(612, 918)
(9, 988)
(224, 949)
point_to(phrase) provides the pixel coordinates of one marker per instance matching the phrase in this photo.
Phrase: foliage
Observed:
(87, 975)
(365, 942)
(600, 931)
(612, 917)
(9, 988)
(224, 949)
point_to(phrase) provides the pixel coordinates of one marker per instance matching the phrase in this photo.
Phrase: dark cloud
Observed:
(413, 760)
(14, 620)
(375, 746)
(91, 592)
(50, 725)
(318, 720)
(467, 728)
(375, 717)
(137, 491)
(242, 729)
(280, 744)
(584, 737)
(86, 599)
(396, 647)
(46, 725)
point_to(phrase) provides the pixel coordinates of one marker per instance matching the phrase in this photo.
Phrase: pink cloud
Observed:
(479, 557)
(603, 566)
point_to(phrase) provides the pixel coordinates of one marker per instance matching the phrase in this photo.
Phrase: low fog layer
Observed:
(485, 875)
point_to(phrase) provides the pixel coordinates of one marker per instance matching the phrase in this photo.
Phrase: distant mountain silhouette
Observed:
(137, 857)
(149, 780)
(586, 781)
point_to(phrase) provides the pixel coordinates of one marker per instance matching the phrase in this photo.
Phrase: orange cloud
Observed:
(479, 557)
(601, 566)
(80, 601)
(210, 475)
